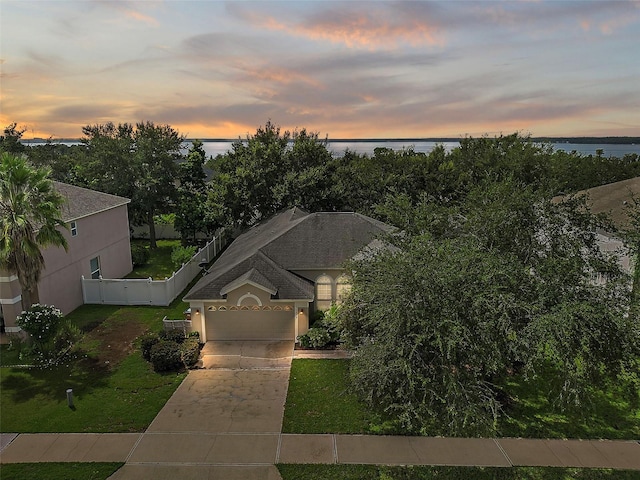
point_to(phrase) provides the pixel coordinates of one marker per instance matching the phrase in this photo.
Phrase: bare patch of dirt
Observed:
(116, 340)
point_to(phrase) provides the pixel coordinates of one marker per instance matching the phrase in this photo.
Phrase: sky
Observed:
(377, 69)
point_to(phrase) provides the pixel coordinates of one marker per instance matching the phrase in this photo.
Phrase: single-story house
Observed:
(273, 276)
(98, 245)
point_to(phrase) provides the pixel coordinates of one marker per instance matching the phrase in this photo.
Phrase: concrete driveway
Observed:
(247, 355)
(241, 388)
(223, 421)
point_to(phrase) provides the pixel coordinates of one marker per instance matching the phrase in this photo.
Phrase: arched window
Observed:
(324, 292)
(343, 287)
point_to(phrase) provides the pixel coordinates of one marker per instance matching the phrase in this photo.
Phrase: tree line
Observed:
(274, 169)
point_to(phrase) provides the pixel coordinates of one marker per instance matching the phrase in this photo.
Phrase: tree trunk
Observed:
(29, 297)
(152, 231)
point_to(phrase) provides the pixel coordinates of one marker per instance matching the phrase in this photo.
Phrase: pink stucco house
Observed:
(98, 239)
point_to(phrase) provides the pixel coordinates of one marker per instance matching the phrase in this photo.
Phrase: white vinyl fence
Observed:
(148, 291)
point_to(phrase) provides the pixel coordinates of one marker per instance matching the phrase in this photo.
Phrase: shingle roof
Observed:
(252, 276)
(81, 202)
(324, 240)
(286, 284)
(292, 240)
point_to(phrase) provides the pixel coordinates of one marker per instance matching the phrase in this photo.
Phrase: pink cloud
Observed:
(141, 17)
(372, 30)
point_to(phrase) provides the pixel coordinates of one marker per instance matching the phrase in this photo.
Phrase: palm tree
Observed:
(29, 217)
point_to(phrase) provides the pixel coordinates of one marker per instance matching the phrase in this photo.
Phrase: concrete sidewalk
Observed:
(68, 447)
(224, 421)
(212, 452)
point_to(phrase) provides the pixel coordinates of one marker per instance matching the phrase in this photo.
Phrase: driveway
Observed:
(241, 388)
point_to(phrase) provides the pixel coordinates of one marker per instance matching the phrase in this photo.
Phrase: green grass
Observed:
(121, 396)
(124, 399)
(159, 265)
(58, 471)
(369, 472)
(612, 413)
(318, 401)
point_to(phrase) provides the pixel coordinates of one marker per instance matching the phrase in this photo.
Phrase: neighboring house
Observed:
(273, 276)
(98, 240)
(614, 199)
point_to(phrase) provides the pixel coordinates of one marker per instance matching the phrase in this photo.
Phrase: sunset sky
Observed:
(214, 69)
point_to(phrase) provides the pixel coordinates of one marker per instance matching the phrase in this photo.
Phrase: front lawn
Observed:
(613, 414)
(58, 471)
(115, 390)
(124, 398)
(319, 401)
(369, 472)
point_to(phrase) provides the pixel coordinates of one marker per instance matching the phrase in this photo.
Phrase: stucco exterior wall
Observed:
(105, 235)
(272, 315)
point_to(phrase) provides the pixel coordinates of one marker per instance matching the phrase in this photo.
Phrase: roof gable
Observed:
(258, 269)
(82, 202)
(252, 277)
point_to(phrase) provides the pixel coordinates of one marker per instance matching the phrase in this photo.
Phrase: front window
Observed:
(95, 267)
(324, 292)
(74, 229)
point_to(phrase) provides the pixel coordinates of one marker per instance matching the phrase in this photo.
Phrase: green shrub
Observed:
(175, 335)
(146, 344)
(181, 255)
(41, 322)
(51, 336)
(68, 333)
(315, 338)
(165, 356)
(331, 323)
(316, 316)
(190, 351)
(139, 255)
(195, 334)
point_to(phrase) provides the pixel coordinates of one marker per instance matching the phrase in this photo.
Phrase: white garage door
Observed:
(248, 325)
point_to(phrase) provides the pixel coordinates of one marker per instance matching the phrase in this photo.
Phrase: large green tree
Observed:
(30, 219)
(500, 279)
(138, 162)
(269, 171)
(191, 206)
(156, 155)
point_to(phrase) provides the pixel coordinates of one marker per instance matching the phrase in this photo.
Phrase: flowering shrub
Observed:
(50, 335)
(41, 322)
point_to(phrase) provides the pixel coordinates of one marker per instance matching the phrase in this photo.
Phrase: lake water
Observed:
(338, 147)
